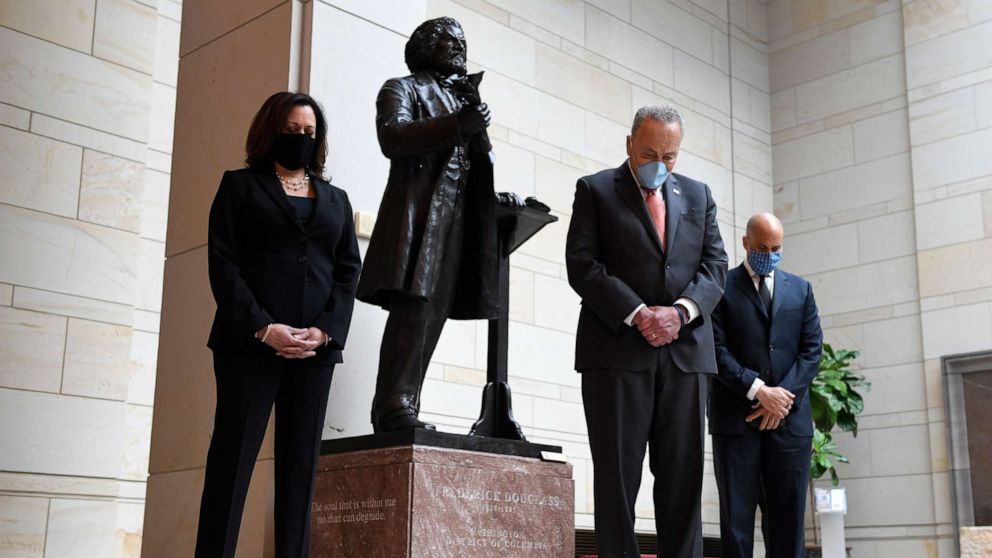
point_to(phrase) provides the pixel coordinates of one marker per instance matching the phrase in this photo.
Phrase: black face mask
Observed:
(293, 151)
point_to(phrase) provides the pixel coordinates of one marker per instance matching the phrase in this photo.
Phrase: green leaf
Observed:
(834, 402)
(819, 438)
(855, 402)
(847, 422)
(823, 423)
(839, 386)
(816, 471)
(831, 373)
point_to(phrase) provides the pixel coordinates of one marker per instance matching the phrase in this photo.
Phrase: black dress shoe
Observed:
(400, 421)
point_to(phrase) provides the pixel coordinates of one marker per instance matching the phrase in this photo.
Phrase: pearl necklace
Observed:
(294, 185)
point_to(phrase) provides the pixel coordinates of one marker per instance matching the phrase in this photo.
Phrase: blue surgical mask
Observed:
(763, 263)
(652, 175)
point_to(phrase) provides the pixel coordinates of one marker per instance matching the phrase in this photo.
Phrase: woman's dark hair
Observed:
(268, 124)
(418, 49)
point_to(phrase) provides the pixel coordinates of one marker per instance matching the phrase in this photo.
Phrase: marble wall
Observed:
(87, 89)
(880, 175)
(949, 89)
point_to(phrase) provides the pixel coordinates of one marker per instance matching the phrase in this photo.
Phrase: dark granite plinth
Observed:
(421, 437)
(416, 501)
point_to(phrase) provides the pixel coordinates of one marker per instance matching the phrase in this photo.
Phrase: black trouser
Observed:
(414, 327)
(777, 463)
(247, 387)
(664, 409)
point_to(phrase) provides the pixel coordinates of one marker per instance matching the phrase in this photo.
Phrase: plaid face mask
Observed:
(764, 263)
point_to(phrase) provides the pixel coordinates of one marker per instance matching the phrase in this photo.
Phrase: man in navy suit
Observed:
(645, 254)
(768, 341)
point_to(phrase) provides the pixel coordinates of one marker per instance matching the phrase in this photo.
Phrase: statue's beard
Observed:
(452, 65)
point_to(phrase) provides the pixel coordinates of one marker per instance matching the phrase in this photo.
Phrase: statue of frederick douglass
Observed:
(432, 255)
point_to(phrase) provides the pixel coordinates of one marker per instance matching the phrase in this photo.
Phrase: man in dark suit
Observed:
(645, 255)
(768, 342)
(432, 255)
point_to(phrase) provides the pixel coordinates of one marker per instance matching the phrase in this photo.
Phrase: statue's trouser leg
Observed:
(401, 356)
(412, 332)
(435, 323)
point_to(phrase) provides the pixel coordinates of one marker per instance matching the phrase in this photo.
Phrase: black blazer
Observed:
(267, 267)
(783, 350)
(615, 262)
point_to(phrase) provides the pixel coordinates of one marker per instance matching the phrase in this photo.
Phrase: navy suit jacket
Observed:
(782, 349)
(615, 261)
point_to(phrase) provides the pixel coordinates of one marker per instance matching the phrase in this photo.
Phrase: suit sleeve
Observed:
(731, 373)
(235, 301)
(607, 296)
(335, 320)
(400, 134)
(706, 289)
(802, 372)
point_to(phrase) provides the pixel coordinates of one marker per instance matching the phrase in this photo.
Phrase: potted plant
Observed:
(836, 401)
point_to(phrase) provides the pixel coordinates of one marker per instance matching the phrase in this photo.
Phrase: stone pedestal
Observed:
(976, 542)
(417, 501)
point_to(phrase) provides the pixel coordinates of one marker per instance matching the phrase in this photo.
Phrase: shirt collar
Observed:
(751, 272)
(447, 80)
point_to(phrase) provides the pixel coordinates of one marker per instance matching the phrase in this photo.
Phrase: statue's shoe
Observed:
(401, 421)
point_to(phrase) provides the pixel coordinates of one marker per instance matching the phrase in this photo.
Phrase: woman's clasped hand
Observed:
(292, 342)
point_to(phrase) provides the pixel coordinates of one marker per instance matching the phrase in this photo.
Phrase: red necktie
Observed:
(656, 207)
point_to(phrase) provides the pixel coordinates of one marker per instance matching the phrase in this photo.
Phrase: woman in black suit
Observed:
(284, 265)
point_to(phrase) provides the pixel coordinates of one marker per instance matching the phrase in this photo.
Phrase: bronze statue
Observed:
(433, 253)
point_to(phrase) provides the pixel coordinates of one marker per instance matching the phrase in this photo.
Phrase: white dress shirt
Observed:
(770, 283)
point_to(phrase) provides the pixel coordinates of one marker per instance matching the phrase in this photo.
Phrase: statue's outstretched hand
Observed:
(473, 119)
(509, 199)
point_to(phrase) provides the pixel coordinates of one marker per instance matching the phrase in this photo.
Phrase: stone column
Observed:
(949, 94)
(233, 54)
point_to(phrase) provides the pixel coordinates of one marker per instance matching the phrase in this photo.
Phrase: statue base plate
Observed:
(423, 501)
(421, 437)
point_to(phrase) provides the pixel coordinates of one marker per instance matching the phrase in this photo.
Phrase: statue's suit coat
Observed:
(417, 125)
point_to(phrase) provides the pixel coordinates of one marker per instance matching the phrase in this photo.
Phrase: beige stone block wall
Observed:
(949, 75)
(844, 187)
(86, 104)
(878, 121)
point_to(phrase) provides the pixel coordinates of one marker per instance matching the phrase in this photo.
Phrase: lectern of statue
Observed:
(433, 253)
